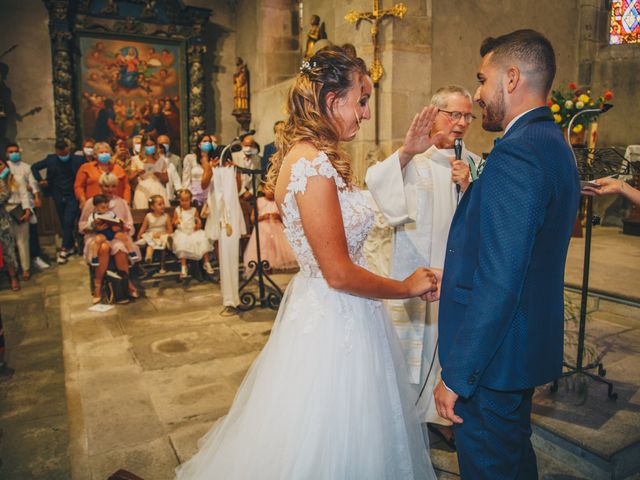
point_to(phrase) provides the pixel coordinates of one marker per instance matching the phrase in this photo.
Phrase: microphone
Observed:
(457, 148)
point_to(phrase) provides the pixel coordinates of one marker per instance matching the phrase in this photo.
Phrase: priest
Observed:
(418, 191)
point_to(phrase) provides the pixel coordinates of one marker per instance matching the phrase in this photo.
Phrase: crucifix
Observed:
(374, 18)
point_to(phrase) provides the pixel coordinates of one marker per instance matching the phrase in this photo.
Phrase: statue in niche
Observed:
(316, 32)
(241, 86)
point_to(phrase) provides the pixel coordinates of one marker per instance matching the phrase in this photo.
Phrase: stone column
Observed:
(587, 39)
(196, 49)
(60, 30)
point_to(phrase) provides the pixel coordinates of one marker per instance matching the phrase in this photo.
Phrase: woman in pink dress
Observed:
(274, 246)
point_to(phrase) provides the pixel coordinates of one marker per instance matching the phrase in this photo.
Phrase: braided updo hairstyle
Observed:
(332, 69)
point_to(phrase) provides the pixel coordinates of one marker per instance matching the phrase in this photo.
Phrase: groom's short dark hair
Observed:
(526, 46)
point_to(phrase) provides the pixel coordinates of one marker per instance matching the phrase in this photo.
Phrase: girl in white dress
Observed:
(328, 398)
(155, 231)
(189, 240)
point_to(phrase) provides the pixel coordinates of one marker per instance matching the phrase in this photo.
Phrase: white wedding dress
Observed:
(328, 398)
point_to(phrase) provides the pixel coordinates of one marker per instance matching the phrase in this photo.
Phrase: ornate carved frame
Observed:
(150, 19)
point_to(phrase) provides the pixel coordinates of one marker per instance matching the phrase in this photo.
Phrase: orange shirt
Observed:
(87, 183)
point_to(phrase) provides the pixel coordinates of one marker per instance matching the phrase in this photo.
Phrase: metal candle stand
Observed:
(592, 163)
(270, 293)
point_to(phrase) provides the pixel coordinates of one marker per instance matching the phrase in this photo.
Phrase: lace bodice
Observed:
(357, 216)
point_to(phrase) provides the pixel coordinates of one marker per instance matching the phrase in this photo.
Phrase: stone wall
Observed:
(25, 86)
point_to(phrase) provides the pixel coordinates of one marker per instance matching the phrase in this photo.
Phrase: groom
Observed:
(501, 311)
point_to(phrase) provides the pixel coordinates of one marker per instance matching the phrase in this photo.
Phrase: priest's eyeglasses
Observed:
(456, 116)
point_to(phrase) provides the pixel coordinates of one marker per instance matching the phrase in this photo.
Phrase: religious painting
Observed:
(624, 26)
(131, 86)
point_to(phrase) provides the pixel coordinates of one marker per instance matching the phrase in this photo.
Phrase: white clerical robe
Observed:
(419, 201)
(224, 208)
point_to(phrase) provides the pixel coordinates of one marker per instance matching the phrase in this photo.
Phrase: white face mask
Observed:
(249, 151)
(137, 147)
(166, 146)
(88, 151)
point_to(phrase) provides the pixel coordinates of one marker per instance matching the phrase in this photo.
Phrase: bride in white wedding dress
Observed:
(328, 397)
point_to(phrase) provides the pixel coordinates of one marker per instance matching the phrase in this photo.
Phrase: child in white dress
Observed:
(189, 240)
(155, 231)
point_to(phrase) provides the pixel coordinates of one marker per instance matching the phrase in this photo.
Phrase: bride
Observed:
(328, 397)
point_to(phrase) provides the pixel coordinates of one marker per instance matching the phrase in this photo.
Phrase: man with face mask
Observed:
(502, 299)
(61, 169)
(247, 158)
(418, 192)
(171, 157)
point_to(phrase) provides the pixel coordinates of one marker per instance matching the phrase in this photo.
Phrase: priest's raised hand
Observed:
(419, 137)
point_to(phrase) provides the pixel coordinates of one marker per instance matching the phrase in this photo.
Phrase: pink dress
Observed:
(116, 205)
(274, 246)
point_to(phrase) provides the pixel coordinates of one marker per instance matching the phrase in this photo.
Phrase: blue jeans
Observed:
(68, 209)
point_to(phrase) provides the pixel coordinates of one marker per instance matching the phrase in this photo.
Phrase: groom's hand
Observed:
(445, 401)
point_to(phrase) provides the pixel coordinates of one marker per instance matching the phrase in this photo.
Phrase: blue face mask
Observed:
(206, 146)
(104, 157)
(64, 158)
(5, 173)
(150, 150)
(14, 156)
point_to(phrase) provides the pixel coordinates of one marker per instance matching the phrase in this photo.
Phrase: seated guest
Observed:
(107, 226)
(122, 157)
(172, 158)
(87, 183)
(270, 148)
(192, 168)
(7, 239)
(274, 246)
(155, 231)
(149, 170)
(21, 171)
(115, 248)
(61, 170)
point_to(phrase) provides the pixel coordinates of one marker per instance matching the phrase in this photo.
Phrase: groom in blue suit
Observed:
(501, 310)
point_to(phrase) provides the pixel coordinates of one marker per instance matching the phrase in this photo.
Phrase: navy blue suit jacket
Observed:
(501, 317)
(50, 164)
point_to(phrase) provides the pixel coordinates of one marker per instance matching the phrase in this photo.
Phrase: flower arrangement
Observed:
(564, 105)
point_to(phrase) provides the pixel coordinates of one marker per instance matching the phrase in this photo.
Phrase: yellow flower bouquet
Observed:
(565, 104)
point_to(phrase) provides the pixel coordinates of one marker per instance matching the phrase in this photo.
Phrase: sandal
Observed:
(95, 299)
(15, 284)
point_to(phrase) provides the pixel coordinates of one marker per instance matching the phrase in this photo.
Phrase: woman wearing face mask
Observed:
(149, 169)
(329, 395)
(88, 150)
(7, 238)
(61, 170)
(18, 201)
(192, 168)
(87, 182)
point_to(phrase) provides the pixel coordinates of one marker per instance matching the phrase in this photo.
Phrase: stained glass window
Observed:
(625, 22)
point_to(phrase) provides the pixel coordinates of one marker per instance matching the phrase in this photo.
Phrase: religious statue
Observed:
(241, 86)
(316, 32)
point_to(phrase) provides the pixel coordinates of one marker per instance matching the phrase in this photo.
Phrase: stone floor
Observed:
(137, 386)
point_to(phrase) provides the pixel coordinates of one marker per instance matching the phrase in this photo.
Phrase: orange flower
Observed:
(573, 86)
(608, 95)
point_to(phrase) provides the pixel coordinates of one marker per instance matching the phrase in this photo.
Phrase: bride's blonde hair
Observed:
(332, 69)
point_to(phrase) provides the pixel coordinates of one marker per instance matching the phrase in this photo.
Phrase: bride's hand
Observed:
(419, 138)
(434, 295)
(421, 282)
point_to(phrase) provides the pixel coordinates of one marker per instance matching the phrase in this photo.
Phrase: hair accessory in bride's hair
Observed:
(307, 66)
